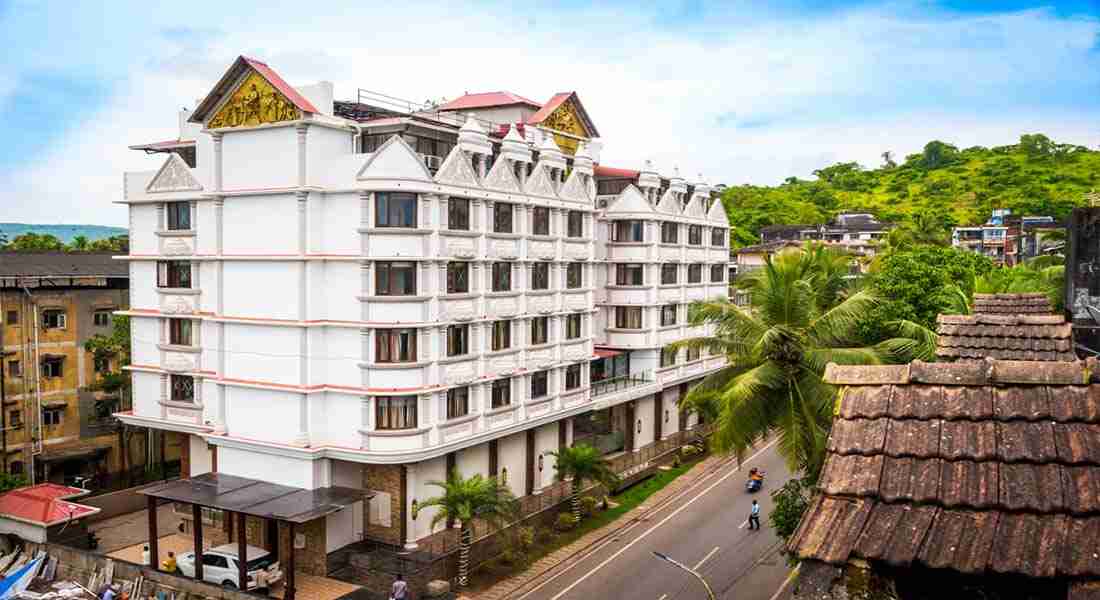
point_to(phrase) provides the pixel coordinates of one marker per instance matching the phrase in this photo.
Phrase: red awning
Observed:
(601, 353)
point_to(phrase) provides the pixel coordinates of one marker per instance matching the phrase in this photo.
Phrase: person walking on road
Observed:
(754, 516)
(400, 589)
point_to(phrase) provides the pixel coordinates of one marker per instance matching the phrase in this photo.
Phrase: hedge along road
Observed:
(706, 527)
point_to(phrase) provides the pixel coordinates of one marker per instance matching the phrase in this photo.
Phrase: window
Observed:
(15, 418)
(575, 224)
(501, 393)
(628, 231)
(716, 273)
(394, 209)
(179, 215)
(574, 275)
(572, 327)
(572, 377)
(458, 277)
(395, 345)
(668, 356)
(540, 221)
(214, 560)
(502, 217)
(181, 388)
(668, 314)
(395, 412)
(693, 354)
(695, 235)
(101, 364)
(458, 340)
(52, 416)
(540, 276)
(502, 277)
(717, 237)
(15, 368)
(458, 402)
(395, 279)
(628, 317)
(101, 318)
(13, 317)
(695, 273)
(173, 274)
(539, 330)
(670, 233)
(501, 335)
(179, 332)
(53, 366)
(629, 274)
(458, 214)
(539, 384)
(670, 273)
(16, 467)
(53, 319)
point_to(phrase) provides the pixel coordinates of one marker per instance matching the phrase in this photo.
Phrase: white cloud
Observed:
(806, 91)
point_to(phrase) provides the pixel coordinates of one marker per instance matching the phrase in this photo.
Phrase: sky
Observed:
(737, 92)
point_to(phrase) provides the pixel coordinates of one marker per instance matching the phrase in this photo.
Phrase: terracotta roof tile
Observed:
(970, 484)
(963, 373)
(858, 436)
(830, 528)
(968, 440)
(894, 532)
(1009, 337)
(865, 401)
(1080, 555)
(916, 402)
(910, 480)
(1081, 487)
(1021, 441)
(910, 437)
(961, 540)
(1028, 544)
(1011, 303)
(851, 475)
(1084, 590)
(974, 403)
(1077, 443)
(1017, 402)
(1032, 488)
(1077, 404)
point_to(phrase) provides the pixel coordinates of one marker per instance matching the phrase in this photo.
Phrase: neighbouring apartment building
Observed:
(858, 233)
(1010, 240)
(51, 303)
(331, 293)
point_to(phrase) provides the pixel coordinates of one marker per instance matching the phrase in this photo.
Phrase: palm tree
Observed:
(465, 499)
(583, 463)
(79, 243)
(1042, 274)
(777, 353)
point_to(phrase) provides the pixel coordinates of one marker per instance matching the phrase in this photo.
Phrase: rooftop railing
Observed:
(623, 382)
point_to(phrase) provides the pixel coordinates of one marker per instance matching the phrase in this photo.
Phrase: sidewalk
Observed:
(539, 568)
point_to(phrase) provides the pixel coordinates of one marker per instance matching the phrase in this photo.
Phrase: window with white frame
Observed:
(539, 384)
(458, 402)
(181, 388)
(395, 209)
(628, 317)
(574, 275)
(53, 319)
(500, 393)
(179, 216)
(501, 335)
(539, 330)
(572, 327)
(668, 314)
(395, 412)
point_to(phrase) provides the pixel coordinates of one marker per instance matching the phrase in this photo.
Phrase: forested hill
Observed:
(1037, 176)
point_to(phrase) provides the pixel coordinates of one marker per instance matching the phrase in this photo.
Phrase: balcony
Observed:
(617, 384)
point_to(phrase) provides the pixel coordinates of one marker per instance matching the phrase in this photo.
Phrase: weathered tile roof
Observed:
(988, 466)
(1012, 304)
(1015, 337)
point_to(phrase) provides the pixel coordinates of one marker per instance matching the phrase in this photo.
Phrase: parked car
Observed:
(219, 566)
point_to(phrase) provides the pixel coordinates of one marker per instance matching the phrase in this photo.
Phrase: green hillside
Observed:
(1034, 177)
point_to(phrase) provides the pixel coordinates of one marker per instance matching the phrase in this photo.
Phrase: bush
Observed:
(565, 522)
(689, 451)
(588, 505)
(791, 501)
(510, 557)
(525, 537)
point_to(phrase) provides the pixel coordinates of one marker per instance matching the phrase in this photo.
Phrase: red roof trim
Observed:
(487, 100)
(273, 78)
(602, 171)
(226, 83)
(559, 99)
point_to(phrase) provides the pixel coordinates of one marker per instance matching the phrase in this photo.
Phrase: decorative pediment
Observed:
(717, 213)
(394, 159)
(538, 183)
(564, 114)
(254, 102)
(695, 208)
(174, 176)
(669, 204)
(457, 170)
(630, 200)
(575, 188)
(501, 177)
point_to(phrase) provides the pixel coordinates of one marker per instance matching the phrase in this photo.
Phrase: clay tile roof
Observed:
(1009, 336)
(982, 467)
(44, 504)
(1012, 304)
(487, 100)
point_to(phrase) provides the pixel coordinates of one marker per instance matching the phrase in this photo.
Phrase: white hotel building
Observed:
(332, 293)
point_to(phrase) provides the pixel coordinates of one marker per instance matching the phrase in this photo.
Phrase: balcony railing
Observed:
(618, 384)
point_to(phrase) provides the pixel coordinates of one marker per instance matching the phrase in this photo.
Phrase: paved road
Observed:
(705, 528)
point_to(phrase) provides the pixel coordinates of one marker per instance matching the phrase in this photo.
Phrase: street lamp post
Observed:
(679, 565)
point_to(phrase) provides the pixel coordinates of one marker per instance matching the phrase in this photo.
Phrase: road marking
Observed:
(705, 559)
(742, 526)
(786, 582)
(663, 596)
(655, 527)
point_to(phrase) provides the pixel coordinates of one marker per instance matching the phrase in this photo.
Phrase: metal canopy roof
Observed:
(258, 498)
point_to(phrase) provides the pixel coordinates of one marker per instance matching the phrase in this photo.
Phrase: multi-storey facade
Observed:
(331, 293)
(858, 233)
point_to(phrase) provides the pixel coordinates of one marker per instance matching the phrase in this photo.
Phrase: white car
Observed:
(219, 566)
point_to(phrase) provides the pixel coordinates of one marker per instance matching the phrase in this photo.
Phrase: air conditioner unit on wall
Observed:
(432, 162)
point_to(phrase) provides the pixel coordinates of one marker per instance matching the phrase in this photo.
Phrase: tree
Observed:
(463, 500)
(888, 160)
(115, 347)
(791, 501)
(115, 243)
(31, 242)
(583, 463)
(936, 155)
(778, 350)
(79, 243)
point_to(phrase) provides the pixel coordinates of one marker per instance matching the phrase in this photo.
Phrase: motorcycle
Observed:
(755, 483)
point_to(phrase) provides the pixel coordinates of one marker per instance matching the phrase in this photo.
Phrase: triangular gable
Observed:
(501, 177)
(250, 93)
(669, 204)
(538, 183)
(695, 208)
(564, 113)
(574, 188)
(174, 176)
(394, 159)
(717, 213)
(630, 200)
(457, 170)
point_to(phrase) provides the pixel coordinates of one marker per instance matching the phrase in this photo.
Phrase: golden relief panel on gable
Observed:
(254, 102)
(566, 119)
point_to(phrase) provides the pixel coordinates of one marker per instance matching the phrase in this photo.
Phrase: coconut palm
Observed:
(777, 352)
(463, 500)
(1042, 274)
(583, 463)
